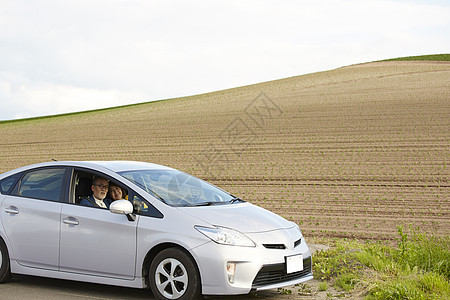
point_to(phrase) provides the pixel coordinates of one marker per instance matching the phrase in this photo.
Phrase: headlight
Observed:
(226, 236)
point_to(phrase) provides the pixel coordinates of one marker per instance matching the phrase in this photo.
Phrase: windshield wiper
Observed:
(203, 203)
(236, 199)
(208, 203)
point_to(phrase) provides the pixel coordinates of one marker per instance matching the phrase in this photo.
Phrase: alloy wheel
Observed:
(171, 278)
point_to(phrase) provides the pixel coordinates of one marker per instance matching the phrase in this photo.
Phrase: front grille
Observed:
(272, 274)
(281, 246)
(274, 246)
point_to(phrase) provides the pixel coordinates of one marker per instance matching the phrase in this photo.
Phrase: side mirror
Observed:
(123, 207)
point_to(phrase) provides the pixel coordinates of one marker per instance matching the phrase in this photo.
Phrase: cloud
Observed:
(27, 99)
(55, 53)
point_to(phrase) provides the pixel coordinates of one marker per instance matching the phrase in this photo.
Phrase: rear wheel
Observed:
(5, 270)
(174, 275)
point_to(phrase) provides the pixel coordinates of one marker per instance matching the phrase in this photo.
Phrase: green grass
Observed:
(431, 57)
(418, 268)
(323, 286)
(80, 112)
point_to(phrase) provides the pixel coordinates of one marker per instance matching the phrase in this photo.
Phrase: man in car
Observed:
(99, 191)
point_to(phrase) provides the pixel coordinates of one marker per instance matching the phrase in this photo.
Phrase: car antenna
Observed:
(54, 159)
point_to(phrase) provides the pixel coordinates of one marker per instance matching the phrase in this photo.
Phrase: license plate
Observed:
(294, 263)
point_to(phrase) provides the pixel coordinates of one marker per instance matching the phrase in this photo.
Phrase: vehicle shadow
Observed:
(39, 288)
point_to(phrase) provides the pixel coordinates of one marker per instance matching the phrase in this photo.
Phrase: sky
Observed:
(76, 55)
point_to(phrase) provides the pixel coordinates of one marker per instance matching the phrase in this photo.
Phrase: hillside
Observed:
(350, 152)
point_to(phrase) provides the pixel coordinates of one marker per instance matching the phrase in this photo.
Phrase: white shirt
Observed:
(100, 202)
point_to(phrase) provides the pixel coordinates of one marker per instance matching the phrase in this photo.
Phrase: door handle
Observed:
(12, 210)
(70, 221)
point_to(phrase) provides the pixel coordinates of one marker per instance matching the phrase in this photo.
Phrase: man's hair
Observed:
(94, 180)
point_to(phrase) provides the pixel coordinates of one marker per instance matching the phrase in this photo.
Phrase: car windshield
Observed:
(176, 188)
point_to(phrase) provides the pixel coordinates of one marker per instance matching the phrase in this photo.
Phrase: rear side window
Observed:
(8, 183)
(42, 184)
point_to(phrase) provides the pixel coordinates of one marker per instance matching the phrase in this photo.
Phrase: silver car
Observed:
(172, 232)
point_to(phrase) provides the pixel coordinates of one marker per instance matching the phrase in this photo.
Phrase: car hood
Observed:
(245, 217)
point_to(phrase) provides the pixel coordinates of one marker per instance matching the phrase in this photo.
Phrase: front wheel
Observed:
(174, 275)
(5, 269)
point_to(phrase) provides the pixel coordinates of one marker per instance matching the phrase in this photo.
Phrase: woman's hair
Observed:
(124, 192)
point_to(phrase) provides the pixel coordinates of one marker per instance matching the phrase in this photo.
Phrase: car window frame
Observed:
(155, 212)
(64, 184)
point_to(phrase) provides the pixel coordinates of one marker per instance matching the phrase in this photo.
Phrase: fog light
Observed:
(231, 269)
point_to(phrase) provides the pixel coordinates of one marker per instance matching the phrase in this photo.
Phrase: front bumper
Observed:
(275, 276)
(256, 268)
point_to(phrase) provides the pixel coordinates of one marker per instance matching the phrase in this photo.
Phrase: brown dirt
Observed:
(351, 152)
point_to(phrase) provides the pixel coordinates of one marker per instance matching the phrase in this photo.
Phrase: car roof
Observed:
(114, 166)
(124, 165)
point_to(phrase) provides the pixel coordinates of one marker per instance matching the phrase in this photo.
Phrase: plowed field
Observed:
(351, 152)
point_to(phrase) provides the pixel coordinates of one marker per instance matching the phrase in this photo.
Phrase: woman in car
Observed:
(115, 192)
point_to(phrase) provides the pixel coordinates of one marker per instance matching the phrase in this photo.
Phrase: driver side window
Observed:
(92, 188)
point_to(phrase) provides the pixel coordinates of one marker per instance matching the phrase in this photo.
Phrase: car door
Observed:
(31, 218)
(95, 241)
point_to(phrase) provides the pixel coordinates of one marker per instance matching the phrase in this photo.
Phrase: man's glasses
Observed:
(102, 187)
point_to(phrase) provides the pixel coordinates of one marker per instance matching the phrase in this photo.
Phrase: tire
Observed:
(5, 268)
(174, 275)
